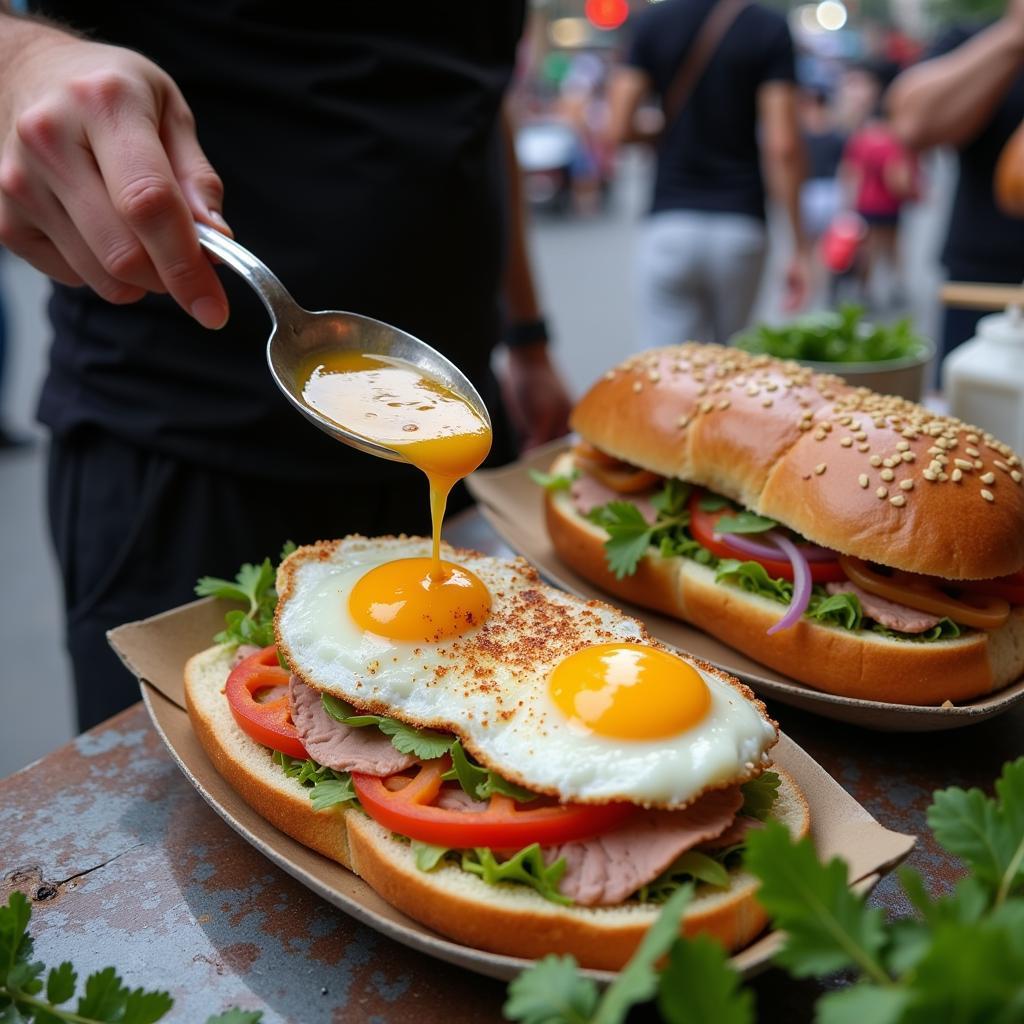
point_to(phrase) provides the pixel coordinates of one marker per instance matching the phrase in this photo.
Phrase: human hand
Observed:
(102, 177)
(535, 395)
(797, 286)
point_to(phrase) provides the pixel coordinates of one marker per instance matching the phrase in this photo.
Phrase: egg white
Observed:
(490, 686)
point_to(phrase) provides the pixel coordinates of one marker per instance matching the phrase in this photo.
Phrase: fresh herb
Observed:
(526, 867)
(630, 535)
(711, 502)
(327, 787)
(480, 782)
(842, 609)
(689, 867)
(427, 855)
(744, 522)
(944, 629)
(834, 337)
(253, 585)
(679, 543)
(754, 579)
(28, 993)
(699, 987)
(759, 795)
(554, 481)
(426, 744)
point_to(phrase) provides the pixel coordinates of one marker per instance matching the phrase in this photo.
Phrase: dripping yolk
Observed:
(406, 600)
(629, 691)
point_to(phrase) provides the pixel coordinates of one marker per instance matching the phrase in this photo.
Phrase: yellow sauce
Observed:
(391, 402)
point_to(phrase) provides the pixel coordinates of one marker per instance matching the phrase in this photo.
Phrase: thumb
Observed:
(199, 182)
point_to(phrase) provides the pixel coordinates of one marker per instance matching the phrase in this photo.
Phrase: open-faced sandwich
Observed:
(856, 542)
(516, 768)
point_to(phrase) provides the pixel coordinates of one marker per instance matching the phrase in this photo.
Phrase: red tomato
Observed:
(270, 722)
(502, 826)
(702, 526)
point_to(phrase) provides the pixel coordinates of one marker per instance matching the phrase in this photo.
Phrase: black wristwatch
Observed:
(526, 332)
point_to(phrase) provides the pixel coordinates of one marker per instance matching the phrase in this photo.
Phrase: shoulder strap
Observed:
(712, 31)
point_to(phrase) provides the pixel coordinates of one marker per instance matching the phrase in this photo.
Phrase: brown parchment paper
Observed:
(513, 504)
(156, 650)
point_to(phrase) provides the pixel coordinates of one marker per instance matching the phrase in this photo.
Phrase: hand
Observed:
(102, 177)
(535, 395)
(797, 282)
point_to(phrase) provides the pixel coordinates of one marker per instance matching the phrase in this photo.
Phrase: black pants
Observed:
(134, 529)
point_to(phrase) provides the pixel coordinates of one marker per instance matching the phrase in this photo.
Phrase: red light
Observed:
(606, 14)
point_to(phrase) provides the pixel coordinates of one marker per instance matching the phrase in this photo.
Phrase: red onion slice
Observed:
(774, 552)
(801, 586)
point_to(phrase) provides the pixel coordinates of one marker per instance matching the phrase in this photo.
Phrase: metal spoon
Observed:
(297, 333)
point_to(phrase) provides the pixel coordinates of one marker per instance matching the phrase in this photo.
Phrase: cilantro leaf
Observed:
(142, 1007)
(699, 986)
(711, 502)
(551, 992)
(327, 788)
(15, 942)
(753, 578)
(638, 981)
(759, 795)
(235, 1016)
(426, 744)
(629, 535)
(987, 833)
(427, 855)
(332, 792)
(841, 609)
(877, 1004)
(672, 498)
(253, 585)
(744, 522)
(480, 782)
(526, 867)
(554, 481)
(829, 927)
(60, 983)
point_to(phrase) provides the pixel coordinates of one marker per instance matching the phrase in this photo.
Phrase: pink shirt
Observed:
(886, 170)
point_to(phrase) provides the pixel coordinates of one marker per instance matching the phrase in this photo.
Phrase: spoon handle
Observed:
(256, 274)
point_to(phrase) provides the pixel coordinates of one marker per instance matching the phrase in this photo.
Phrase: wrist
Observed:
(526, 333)
(535, 354)
(1012, 30)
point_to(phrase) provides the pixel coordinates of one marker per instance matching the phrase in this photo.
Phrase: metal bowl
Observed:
(907, 377)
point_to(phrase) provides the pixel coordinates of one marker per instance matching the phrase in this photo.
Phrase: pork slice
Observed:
(589, 493)
(610, 868)
(452, 798)
(737, 832)
(338, 746)
(887, 613)
(242, 652)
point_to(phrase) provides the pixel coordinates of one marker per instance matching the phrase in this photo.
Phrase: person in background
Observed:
(821, 193)
(703, 247)
(879, 175)
(365, 157)
(969, 95)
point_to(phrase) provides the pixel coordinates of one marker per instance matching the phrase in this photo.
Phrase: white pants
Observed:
(699, 275)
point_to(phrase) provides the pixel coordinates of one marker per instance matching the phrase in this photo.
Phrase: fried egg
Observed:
(567, 697)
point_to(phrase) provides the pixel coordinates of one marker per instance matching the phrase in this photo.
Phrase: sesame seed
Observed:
(863, 479)
(909, 457)
(973, 452)
(943, 477)
(907, 485)
(702, 390)
(957, 476)
(638, 386)
(724, 403)
(903, 446)
(753, 390)
(972, 438)
(804, 425)
(820, 468)
(1001, 465)
(988, 478)
(847, 442)
(898, 500)
(767, 403)
(881, 492)
(610, 375)
(987, 495)
(929, 475)
(684, 421)
(888, 463)
(654, 376)
(860, 435)
(978, 464)
(875, 460)
(963, 464)
(887, 475)
(820, 435)
(706, 406)
(1015, 476)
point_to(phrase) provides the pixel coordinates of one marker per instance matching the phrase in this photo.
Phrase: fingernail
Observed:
(210, 313)
(217, 219)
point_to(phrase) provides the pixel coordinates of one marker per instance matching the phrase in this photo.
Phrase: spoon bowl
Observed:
(297, 334)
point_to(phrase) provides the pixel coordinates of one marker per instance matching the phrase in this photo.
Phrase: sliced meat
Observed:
(887, 613)
(243, 651)
(338, 746)
(735, 833)
(452, 798)
(610, 868)
(588, 493)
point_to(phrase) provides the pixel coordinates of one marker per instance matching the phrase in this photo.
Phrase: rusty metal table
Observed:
(125, 864)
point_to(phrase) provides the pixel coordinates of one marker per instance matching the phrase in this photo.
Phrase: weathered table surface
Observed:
(125, 864)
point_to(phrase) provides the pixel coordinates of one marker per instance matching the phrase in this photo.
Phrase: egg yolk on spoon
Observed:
(391, 402)
(629, 691)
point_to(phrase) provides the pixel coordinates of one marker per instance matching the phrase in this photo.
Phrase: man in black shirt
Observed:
(363, 154)
(703, 246)
(970, 95)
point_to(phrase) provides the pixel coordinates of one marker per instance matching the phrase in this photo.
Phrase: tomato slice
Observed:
(702, 526)
(502, 826)
(268, 722)
(1010, 588)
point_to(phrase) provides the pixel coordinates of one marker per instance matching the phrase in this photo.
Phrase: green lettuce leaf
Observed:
(944, 629)
(842, 610)
(480, 782)
(426, 744)
(554, 481)
(744, 522)
(427, 855)
(759, 795)
(327, 788)
(754, 579)
(526, 867)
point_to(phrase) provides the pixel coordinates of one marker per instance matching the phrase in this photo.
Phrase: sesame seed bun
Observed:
(861, 664)
(868, 475)
(506, 919)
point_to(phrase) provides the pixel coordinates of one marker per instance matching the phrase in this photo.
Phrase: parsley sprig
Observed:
(253, 585)
(960, 962)
(29, 993)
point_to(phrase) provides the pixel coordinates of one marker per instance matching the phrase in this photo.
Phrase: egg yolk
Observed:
(405, 600)
(629, 691)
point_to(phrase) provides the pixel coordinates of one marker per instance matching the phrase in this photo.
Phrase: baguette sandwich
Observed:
(540, 782)
(859, 543)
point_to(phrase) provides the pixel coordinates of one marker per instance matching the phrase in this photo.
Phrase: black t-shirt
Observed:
(983, 243)
(824, 153)
(708, 157)
(360, 149)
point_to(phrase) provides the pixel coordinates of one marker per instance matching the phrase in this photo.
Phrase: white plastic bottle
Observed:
(983, 379)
